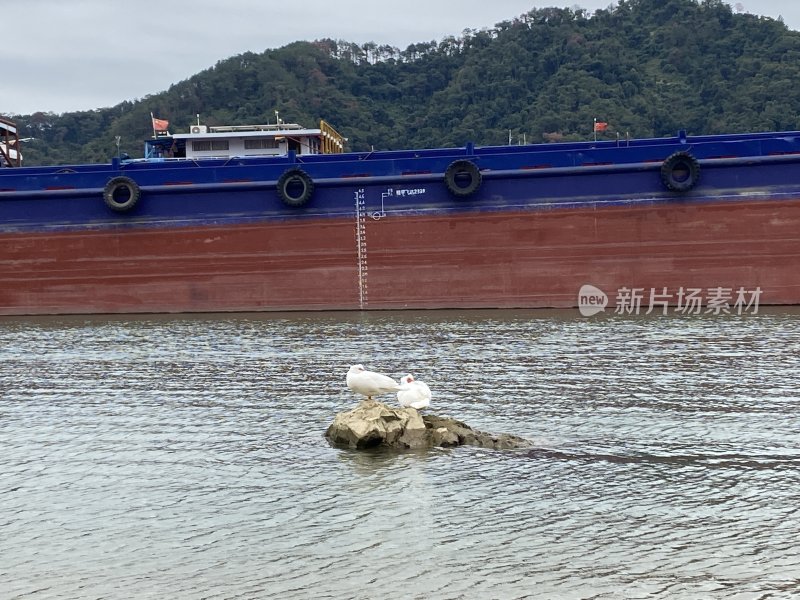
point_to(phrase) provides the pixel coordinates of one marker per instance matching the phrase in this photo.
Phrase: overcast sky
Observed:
(68, 55)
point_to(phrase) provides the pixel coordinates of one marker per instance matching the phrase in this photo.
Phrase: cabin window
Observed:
(207, 145)
(260, 144)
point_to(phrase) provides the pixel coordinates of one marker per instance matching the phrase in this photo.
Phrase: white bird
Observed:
(369, 383)
(413, 393)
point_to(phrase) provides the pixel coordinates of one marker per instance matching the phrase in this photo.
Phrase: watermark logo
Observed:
(685, 300)
(591, 300)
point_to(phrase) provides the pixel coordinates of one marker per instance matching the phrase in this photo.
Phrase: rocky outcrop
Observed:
(372, 424)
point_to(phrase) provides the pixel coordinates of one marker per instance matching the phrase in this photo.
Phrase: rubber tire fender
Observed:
(121, 185)
(456, 172)
(287, 184)
(680, 172)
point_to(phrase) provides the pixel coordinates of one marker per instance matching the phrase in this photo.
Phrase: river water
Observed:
(184, 458)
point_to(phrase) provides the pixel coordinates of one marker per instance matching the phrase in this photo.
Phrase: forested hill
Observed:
(646, 67)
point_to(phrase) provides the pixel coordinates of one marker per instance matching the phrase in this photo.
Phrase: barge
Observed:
(278, 217)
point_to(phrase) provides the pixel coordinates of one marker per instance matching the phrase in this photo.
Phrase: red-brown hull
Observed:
(542, 259)
(525, 259)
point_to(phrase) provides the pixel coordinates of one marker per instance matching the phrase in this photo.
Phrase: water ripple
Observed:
(168, 457)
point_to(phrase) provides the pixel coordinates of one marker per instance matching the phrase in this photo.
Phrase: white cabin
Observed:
(245, 140)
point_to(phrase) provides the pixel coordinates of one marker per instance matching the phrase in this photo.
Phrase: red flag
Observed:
(160, 124)
(600, 126)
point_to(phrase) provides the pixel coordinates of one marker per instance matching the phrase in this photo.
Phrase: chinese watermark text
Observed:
(684, 300)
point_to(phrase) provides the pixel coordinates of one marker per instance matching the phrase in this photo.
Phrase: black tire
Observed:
(462, 178)
(121, 194)
(295, 187)
(680, 172)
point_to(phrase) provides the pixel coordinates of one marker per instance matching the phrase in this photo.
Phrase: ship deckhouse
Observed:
(202, 142)
(10, 155)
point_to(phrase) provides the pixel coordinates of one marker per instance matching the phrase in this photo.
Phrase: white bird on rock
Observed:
(369, 383)
(414, 393)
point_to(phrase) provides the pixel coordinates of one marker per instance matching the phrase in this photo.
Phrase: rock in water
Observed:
(450, 432)
(372, 424)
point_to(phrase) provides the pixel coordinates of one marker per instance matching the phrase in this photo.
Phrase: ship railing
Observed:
(10, 156)
(331, 141)
(246, 128)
